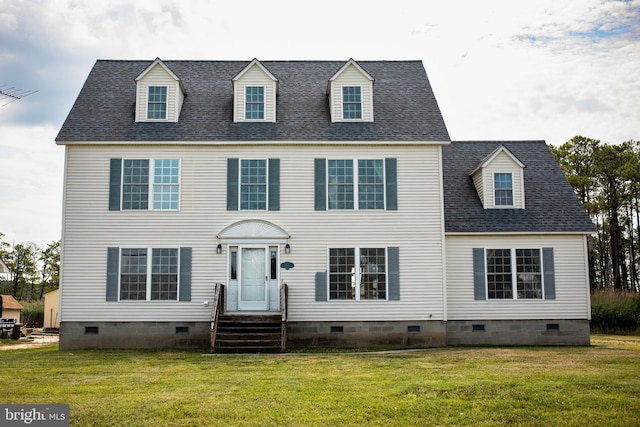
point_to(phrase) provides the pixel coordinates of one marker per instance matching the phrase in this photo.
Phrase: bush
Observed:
(33, 314)
(615, 312)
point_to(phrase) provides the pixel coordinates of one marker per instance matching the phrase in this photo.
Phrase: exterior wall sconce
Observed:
(287, 249)
(219, 249)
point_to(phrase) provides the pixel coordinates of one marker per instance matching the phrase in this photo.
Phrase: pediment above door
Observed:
(253, 230)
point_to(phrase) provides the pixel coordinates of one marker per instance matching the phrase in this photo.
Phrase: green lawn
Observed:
(545, 386)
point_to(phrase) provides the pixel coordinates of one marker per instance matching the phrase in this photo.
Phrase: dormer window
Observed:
(503, 187)
(350, 94)
(499, 180)
(157, 104)
(159, 94)
(255, 91)
(254, 103)
(351, 103)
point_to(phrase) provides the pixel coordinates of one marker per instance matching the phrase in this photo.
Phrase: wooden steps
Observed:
(249, 333)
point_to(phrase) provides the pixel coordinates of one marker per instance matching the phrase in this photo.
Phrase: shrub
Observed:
(33, 314)
(615, 312)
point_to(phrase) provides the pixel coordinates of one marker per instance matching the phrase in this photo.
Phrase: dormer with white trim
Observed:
(254, 94)
(499, 180)
(350, 93)
(159, 94)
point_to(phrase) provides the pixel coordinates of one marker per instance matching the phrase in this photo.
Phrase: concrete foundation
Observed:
(77, 335)
(518, 332)
(419, 333)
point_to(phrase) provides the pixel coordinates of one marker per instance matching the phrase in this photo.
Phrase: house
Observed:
(51, 310)
(11, 309)
(323, 196)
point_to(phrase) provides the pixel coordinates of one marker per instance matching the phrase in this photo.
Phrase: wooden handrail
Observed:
(216, 311)
(284, 308)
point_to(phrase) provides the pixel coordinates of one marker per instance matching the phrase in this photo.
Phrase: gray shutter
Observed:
(479, 278)
(549, 273)
(321, 286)
(185, 274)
(115, 175)
(393, 275)
(113, 263)
(391, 189)
(232, 184)
(320, 184)
(274, 184)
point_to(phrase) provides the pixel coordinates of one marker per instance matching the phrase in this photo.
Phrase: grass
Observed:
(515, 386)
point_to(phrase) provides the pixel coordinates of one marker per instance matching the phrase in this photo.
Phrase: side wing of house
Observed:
(516, 273)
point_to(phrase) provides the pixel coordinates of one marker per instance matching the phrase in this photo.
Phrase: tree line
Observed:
(33, 271)
(606, 179)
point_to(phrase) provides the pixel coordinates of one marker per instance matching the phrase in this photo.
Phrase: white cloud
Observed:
(30, 184)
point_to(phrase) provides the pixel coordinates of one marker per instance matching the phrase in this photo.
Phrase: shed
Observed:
(11, 309)
(51, 307)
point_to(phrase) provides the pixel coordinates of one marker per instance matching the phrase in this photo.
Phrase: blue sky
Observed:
(548, 69)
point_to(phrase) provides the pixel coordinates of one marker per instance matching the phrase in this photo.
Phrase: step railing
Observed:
(284, 307)
(216, 311)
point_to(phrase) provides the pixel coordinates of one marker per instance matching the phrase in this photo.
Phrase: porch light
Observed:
(219, 249)
(287, 249)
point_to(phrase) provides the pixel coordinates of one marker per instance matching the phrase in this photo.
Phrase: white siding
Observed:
(159, 77)
(89, 228)
(479, 184)
(255, 77)
(572, 284)
(351, 76)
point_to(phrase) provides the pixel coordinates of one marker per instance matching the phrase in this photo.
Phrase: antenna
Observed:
(12, 94)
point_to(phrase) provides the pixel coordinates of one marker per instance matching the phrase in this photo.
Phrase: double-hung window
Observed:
(506, 267)
(137, 270)
(351, 102)
(342, 189)
(357, 274)
(340, 184)
(135, 184)
(142, 184)
(166, 184)
(157, 103)
(371, 184)
(503, 189)
(253, 184)
(254, 103)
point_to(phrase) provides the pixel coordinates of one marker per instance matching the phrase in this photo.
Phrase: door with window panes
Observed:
(254, 273)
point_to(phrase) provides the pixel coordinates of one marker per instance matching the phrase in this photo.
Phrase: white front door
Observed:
(253, 278)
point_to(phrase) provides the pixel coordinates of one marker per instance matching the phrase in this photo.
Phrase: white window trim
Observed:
(356, 185)
(166, 104)
(342, 118)
(513, 192)
(514, 274)
(356, 275)
(266, 203)
(149, 272)
(244, 104)
(151, 185)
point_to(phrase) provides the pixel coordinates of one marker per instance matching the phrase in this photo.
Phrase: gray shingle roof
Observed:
(405, 108)
(550, 203)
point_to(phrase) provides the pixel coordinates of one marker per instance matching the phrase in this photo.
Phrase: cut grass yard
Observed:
(559, 386)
